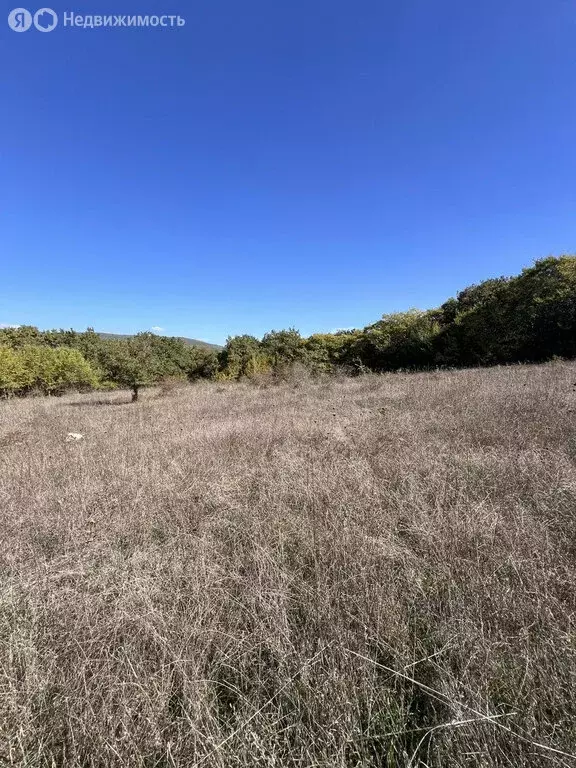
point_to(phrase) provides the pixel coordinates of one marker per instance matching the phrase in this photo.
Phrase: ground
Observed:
(376, 571)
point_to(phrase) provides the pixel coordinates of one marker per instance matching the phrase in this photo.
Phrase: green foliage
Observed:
(20, 336)
(283, 347)
(529, 317)
(125, 362)
(128, 362)
(46, 369)
(400, 340)
(14, 376)
(145, 359)
(199, 363)
(325, 352)
(236, 355)
(544, 308)
(242, 356)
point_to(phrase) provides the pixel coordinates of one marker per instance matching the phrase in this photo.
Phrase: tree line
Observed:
(52, 362)
(527, 318)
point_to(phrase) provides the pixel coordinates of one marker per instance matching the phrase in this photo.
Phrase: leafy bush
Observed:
(242, 356)
(49, 370)
(14, 376)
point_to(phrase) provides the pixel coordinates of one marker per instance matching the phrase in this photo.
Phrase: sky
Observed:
(271, 164)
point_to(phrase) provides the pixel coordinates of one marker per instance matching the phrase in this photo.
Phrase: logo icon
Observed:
(45, 20)
(20, 20)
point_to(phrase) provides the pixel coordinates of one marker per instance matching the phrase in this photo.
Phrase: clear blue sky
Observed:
(305, 163)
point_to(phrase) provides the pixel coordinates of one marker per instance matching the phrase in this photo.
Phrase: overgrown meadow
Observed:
(331, 573)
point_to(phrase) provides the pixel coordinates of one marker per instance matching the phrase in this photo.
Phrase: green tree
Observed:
(283, 347)
(325, 352)
(20, 336)
(242, 356)
(542, 311)
(199, 363)
(529, 317)
(399, 340)
(129, 362)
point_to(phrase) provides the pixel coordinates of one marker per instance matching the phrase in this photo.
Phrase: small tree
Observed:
(129, 363)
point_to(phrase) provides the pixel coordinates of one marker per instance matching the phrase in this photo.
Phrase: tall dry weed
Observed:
(371, 572)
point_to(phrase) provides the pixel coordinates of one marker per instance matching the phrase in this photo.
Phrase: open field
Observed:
(367, 572)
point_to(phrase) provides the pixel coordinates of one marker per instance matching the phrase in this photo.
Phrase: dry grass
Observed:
(369, 572)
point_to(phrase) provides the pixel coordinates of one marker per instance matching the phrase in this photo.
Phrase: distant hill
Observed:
(190, 342)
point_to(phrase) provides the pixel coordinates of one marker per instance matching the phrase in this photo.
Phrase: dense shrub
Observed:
(242, 356)
(28, 355)
(49, 370)
(14, 377)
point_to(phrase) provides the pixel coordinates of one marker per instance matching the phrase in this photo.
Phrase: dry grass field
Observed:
(377, 571)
